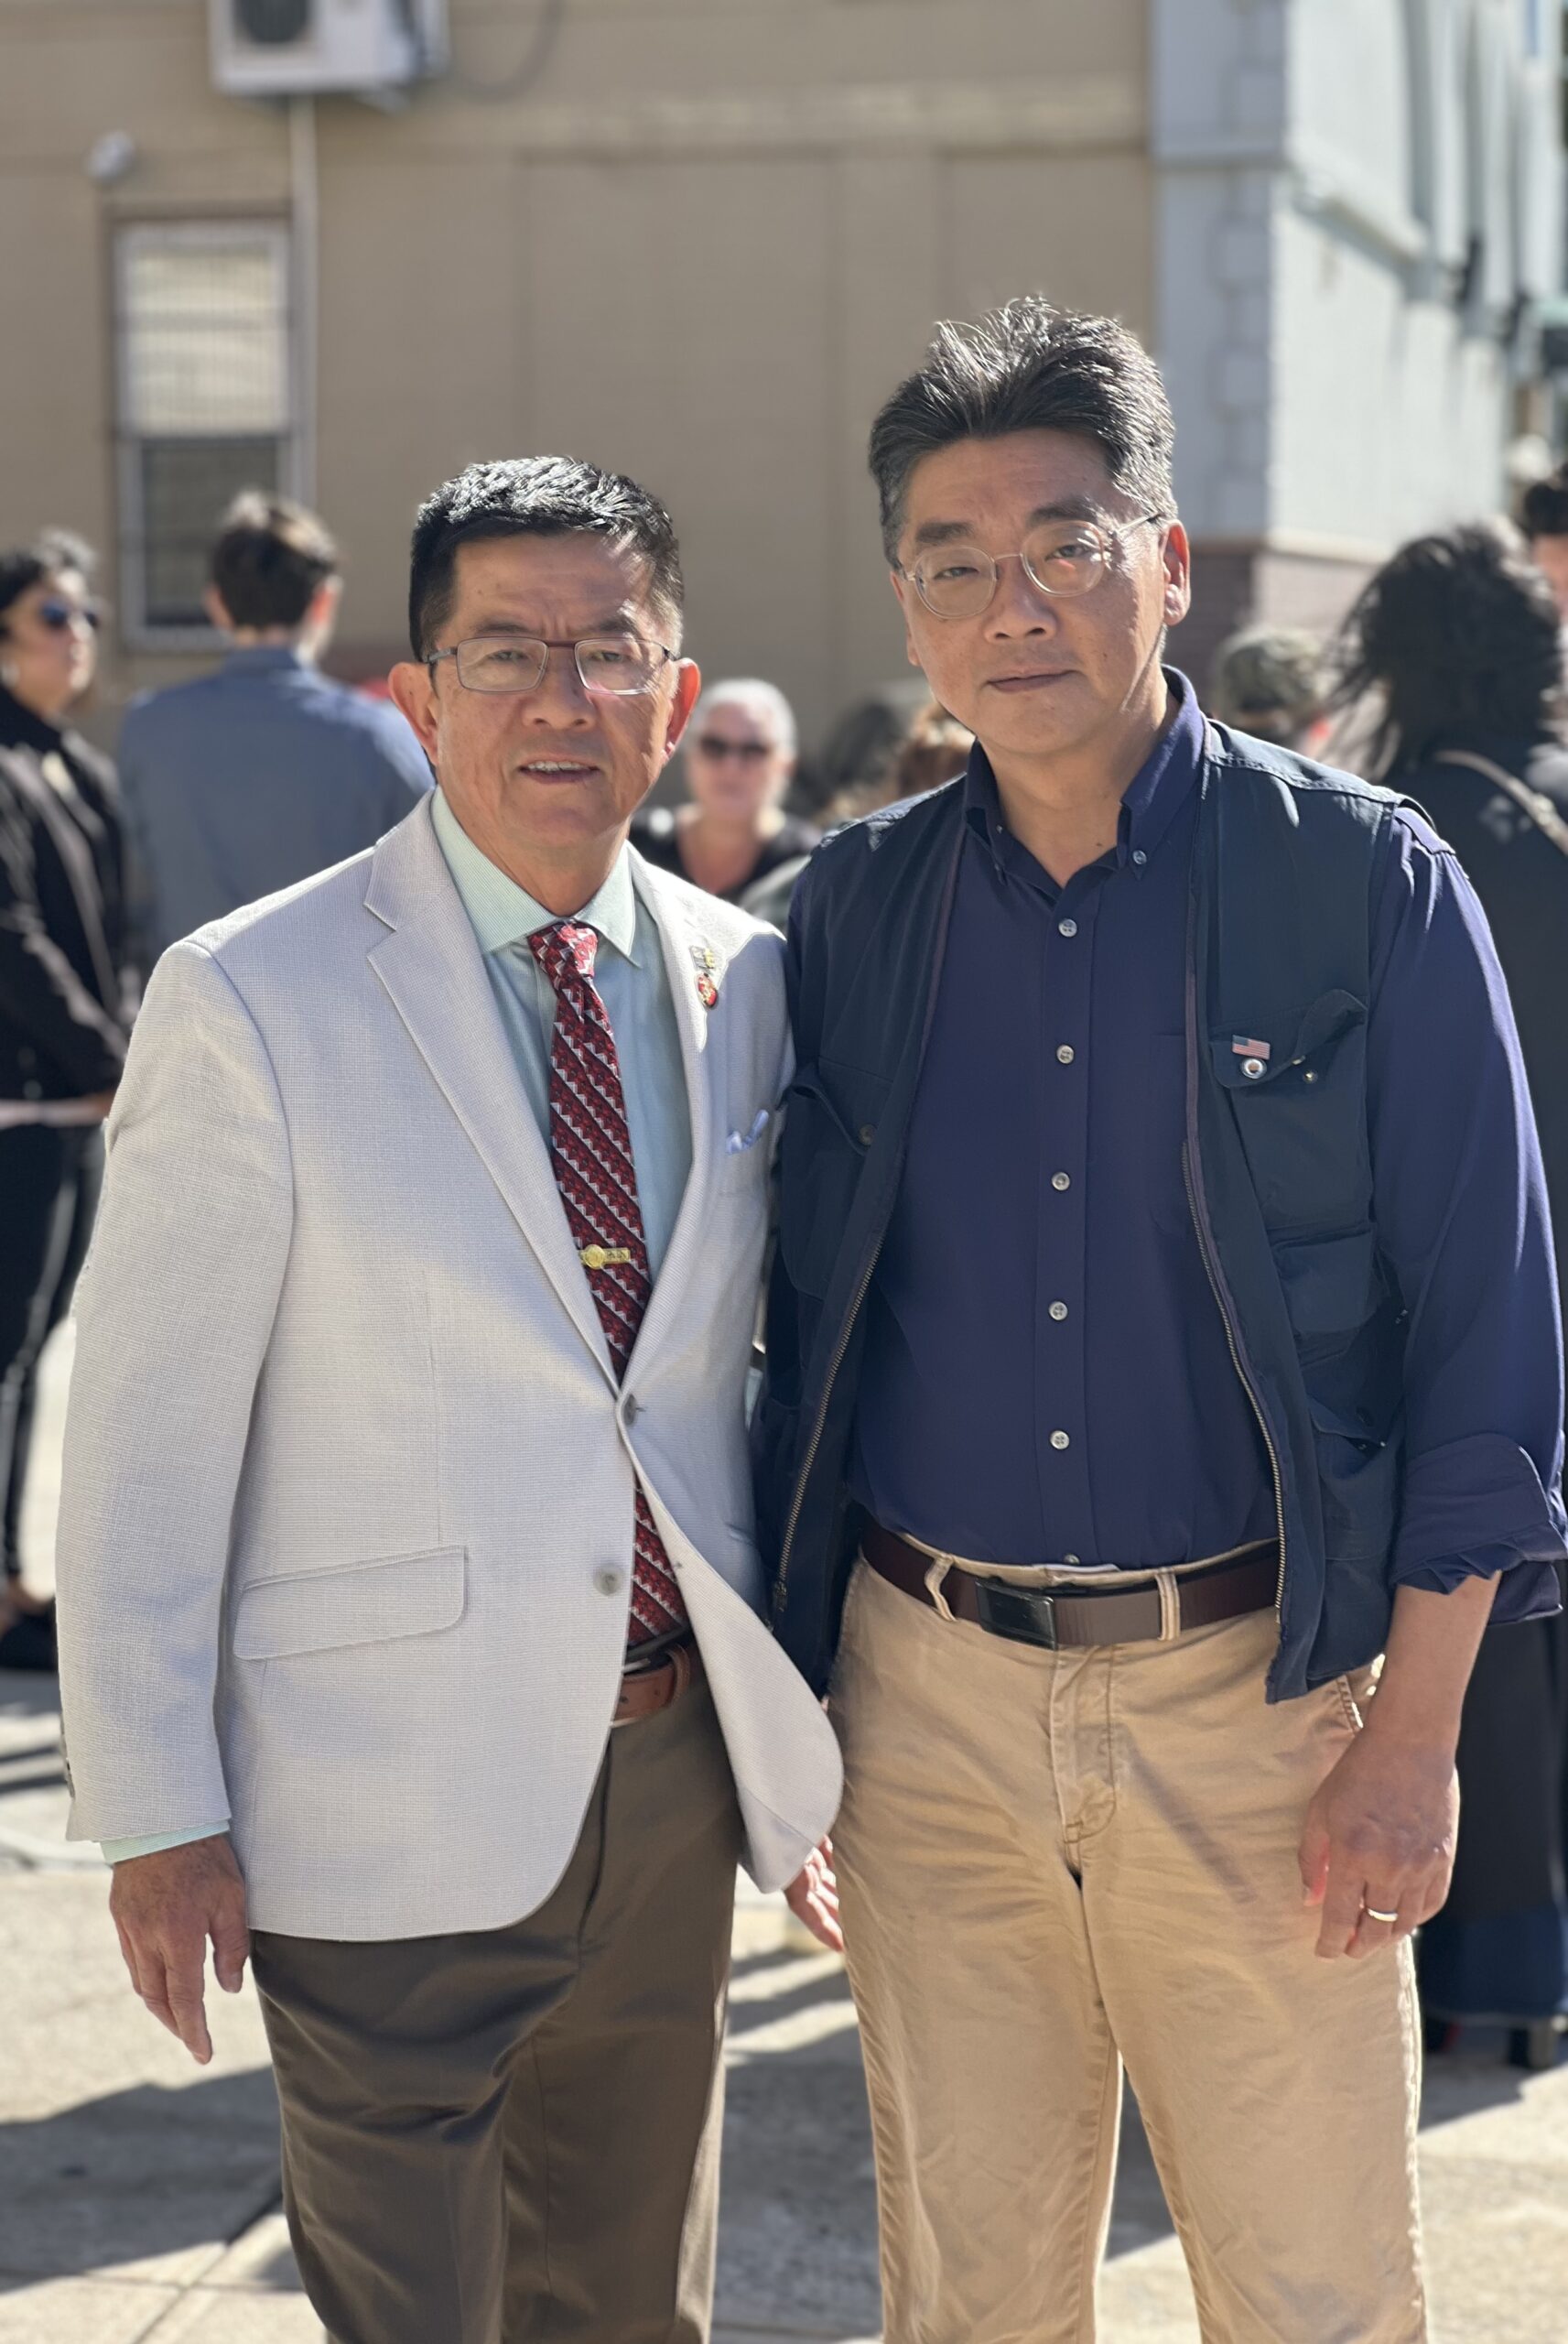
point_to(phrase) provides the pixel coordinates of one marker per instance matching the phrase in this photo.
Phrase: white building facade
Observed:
(1359, 213)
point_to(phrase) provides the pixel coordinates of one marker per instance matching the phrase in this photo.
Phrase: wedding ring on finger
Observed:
(1389, 1919)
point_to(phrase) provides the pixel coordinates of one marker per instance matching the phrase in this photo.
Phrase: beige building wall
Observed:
(700, 247)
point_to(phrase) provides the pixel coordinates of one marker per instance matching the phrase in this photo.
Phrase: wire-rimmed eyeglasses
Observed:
(613, 666)
(1063, 558)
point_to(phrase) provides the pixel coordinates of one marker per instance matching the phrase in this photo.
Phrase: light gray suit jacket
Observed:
(346, 1531)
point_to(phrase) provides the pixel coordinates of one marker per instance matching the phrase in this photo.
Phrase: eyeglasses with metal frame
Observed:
(1063, 558)
(613, 667)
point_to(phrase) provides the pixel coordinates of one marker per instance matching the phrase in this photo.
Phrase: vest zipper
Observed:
(1199, 1209)
(803, 1475)
(1245, 1381)
(939, 954)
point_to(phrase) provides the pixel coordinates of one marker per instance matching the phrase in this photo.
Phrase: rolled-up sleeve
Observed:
(1461, 1210)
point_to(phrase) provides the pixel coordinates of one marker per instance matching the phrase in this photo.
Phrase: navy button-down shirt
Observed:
(1047, 1377)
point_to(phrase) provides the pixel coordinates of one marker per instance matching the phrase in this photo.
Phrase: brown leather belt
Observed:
(645, 1691)
(1056, 1617)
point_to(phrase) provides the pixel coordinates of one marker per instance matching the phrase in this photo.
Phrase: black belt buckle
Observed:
(1024, 1615)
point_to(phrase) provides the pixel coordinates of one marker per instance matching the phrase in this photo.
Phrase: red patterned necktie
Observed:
(590, 1149)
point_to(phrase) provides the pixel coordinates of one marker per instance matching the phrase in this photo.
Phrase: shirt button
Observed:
(1061, 1180)
(1066, 927)
(1060, 1440)
(1065, 1054)
(1058, 1311)
(1138, 857)
(608, 1580)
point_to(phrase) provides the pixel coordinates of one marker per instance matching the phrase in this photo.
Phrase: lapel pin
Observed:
(705, 960)
(1254, 1055)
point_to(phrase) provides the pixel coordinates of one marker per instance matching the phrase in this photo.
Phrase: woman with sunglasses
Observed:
(740, 759)
(65, 1002)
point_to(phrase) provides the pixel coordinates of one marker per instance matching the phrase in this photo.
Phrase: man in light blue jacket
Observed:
(265, 772)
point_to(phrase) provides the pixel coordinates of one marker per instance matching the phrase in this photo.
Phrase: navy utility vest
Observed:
(1280, 1170)
(1277, 1164)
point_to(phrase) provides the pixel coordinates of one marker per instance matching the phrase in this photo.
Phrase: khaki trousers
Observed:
(511, 2134)
(1053, 1863)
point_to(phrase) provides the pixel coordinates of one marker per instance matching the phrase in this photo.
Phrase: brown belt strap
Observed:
(1054, 1617)
(645, 1691)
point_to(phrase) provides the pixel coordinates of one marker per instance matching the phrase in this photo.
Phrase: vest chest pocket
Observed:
(830, 1122)
(1297, 1085)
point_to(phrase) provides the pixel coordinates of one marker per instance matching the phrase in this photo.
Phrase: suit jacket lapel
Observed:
(681, 935)
(434, 971)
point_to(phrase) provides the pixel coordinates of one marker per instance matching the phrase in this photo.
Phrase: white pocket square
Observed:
(738, 1142)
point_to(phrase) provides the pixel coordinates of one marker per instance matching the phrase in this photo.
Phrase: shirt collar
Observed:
(500, 912)
(1149, 803)
(254, 658)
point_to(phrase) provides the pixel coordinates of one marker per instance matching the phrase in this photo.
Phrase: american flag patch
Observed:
(1242, 1048)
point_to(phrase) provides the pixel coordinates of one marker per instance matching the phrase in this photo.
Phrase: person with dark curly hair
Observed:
(1458, 637)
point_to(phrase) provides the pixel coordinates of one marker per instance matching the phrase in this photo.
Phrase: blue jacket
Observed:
(253, 777)
(1279, 1177)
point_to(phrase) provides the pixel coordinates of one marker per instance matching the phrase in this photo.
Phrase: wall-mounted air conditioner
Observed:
(263, 49)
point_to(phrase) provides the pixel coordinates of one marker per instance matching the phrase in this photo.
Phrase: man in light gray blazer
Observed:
(408, 1589)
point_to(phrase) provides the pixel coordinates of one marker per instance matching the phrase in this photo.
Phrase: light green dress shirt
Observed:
(634, 984)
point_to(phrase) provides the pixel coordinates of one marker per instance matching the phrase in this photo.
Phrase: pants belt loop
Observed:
(936, 1571)
(1170, 1607)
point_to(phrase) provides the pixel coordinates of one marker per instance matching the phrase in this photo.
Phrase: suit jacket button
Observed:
(631, 1407)
(608, 1580)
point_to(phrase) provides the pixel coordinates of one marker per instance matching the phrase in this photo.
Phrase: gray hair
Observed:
(1030, 367)
(756, 694)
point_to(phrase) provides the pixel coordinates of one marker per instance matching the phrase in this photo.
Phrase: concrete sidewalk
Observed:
(138, 2195)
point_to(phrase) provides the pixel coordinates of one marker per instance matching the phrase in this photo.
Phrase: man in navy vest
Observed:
(1162, 1331)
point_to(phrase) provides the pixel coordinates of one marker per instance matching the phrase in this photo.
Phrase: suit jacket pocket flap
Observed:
(359, 1604)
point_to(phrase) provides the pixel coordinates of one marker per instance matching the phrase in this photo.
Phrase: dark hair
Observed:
(1030, 367)
(51, 551)
(270, 558)
(1544, 510)
(1459, 634)
(543, 497)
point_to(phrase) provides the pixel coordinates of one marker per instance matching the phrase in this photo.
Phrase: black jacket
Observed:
(65, 989)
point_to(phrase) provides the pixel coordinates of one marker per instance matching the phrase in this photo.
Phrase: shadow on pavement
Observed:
(138, 2177)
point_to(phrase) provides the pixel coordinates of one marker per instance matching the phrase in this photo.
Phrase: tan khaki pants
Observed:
(1052, 1863)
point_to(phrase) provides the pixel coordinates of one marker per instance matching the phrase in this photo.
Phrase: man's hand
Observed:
(813, 1897)
(1381, 1833)
(1379, 1838)
(165, 1907)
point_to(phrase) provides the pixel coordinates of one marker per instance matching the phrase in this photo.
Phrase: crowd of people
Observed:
(1445, 684)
